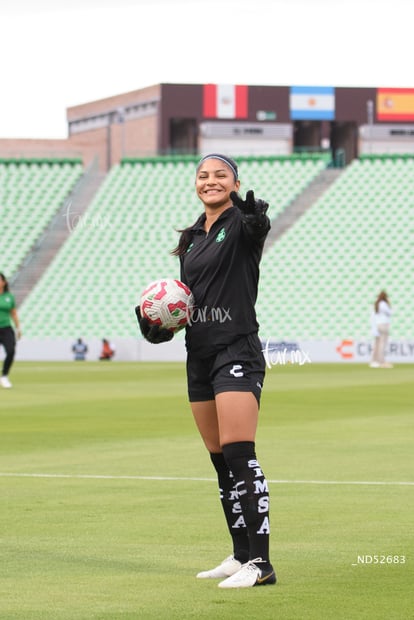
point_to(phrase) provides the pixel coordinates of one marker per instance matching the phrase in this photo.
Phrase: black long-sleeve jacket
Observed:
(222, 270)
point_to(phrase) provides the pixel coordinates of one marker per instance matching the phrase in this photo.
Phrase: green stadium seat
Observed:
(31, 192)
(318, 280)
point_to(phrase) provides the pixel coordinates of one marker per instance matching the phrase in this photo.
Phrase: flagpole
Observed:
(370, 117)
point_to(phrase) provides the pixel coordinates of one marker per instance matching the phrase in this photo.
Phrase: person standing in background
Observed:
(8, 321)
(381, 320)
(79, 350)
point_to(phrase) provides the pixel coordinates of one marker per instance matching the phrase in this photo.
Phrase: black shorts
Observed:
(240, 367)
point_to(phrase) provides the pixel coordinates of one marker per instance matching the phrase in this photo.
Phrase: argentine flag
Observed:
(315, 103)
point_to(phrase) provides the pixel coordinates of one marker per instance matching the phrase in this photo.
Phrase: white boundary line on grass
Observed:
(184, 479)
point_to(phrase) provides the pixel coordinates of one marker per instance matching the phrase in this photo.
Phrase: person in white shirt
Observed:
(381, 320)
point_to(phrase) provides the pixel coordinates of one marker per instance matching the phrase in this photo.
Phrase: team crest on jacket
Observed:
(221, 235)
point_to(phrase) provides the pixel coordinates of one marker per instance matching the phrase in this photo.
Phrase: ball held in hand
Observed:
(165, 308)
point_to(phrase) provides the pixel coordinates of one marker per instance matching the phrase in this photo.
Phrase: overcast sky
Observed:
(59, 53)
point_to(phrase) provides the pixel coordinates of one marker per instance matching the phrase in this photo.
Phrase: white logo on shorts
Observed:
(235, 370)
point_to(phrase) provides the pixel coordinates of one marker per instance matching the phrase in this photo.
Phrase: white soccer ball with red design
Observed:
(167, 303)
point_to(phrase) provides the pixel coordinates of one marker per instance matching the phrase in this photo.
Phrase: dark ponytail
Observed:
(6, 284)
(183, 242)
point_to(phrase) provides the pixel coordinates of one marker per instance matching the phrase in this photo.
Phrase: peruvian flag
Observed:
(225, 101)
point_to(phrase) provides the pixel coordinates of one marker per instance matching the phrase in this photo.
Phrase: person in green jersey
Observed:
(8, 321)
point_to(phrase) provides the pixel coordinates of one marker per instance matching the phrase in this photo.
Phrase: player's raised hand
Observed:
(153, 333)
(251, 208)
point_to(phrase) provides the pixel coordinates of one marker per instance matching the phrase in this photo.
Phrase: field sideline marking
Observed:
(183, 479)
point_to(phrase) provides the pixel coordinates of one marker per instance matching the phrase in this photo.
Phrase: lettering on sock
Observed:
(236, 508)
(239, 523)
(260, 486)
(263, 504)
(265, 527)
(239, 488)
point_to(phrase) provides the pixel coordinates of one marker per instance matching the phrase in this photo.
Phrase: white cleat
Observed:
(228, 567)
(250, 575)
(4, 381)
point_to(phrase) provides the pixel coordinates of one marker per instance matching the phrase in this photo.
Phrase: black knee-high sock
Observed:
(253, 492)
(232, 508)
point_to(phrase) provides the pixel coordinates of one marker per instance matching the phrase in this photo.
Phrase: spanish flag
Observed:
(225, 101)
(395, 104)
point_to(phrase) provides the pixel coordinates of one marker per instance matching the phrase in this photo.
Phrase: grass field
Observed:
(109, 505)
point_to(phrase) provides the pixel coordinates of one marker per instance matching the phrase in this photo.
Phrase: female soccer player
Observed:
(219, 258)
(8, 318)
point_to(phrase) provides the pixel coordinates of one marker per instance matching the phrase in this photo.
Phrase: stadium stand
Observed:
(31, 192)
(123, 240)
(320, 280)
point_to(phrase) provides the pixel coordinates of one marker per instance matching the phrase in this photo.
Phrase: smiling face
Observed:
(214, 183)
